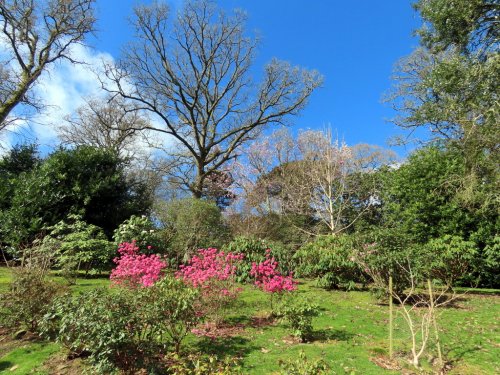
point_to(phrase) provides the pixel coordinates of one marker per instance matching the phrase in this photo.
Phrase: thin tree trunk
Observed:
(390, 318)
(433, 317)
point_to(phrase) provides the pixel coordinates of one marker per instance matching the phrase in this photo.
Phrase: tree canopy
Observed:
(193, 74)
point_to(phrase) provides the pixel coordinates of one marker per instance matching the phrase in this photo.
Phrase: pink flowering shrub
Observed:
(136, 270)
(269, 279)
(212, 271)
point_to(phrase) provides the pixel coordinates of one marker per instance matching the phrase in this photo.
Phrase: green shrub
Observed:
(303, 366)
(191, 224)
(76, 245)
(202, 364)
(123, 329)
(450, 258)
(255, 251)
(389, 252)
(298, 313)
(29, 297)
(330, 260)
(143, 231)
(85, 180)
(96, 322)
(170, 308)
(489, 269)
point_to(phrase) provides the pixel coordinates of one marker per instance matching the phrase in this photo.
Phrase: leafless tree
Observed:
(314, 175)
(111, 124)
(194, 75)
(35, 34)
(420, 303)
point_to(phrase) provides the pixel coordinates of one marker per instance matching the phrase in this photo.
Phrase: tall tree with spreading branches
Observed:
(194, 75)
(35, 34)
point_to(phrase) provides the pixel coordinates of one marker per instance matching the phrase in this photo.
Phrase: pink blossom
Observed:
(269, 279)
(212, 271)
(210, 264)
(134, 269)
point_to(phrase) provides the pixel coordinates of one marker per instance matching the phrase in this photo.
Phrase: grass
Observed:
(27, 358)
(350, 332)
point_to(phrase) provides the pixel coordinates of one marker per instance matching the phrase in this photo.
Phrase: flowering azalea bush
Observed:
(269, 279)
(212, 271)
(134, 269)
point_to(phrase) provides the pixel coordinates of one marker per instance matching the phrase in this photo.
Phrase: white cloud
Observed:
(62, 88)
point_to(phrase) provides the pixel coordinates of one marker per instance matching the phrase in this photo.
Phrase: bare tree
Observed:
(327, 166)
(194, 74)
(111, 124)
(419, 301)
(313, 175)
(35, 34)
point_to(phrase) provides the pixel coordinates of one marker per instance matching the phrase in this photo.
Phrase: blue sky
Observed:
(353, 44)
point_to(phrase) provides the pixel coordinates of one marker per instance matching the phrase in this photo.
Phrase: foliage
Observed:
(19, 159)
(451, 258)
(102, 324)
(190, 224)
(467, 24)
(213, 272)
(135, 270)
(426, 199)
(298, 313)
(330, 260)
(450, 83)
(490, 265)
(279, 228)
(419, 195)
(169, 307)
(389, 252)
(86, 181)
(122, 328)
(202, 364)
(28, 298)
(254, 250)
(303, 366)
(449, 86)
(141, 230)
(76, 245)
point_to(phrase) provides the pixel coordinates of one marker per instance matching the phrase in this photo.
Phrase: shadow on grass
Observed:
(446, 301)
(5, 365)
(330, 334)
(235, 346)
(237, 320)
(459, 352)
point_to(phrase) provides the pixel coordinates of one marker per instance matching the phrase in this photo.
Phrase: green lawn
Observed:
(350, 331)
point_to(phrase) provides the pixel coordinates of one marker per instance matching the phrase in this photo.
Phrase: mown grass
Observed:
(27, 358)
(350, 332)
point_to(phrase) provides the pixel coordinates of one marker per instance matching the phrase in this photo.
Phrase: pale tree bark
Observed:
(35, 34)
(194, 75)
